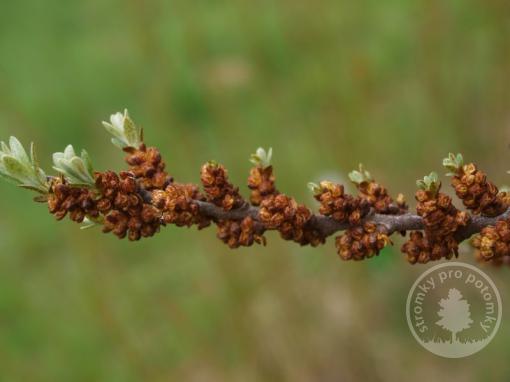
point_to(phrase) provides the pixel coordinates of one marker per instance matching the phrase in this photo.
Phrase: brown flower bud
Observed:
(361, 242)
(477, 193)
(178, 205)
(236, 234)
(340, 206)
(493, 242)
(261, 183)
(217, 187)
(64, 199)
(147, 166)
(289, 218)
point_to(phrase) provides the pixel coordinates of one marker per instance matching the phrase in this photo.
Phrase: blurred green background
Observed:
(395, 84)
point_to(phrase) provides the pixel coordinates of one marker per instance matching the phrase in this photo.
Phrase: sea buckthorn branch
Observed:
(327, 226)
(137, 202)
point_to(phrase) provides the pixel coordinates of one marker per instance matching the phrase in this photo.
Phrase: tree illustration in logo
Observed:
(454, 313)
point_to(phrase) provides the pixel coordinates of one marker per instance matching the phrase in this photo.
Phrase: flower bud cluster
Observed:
(126, 213)
(361, 242)
(242, 233)
(64, 199)
(478, 194)
(441, 220)
(340, 206)
(284, 214)
(178, 205)
(493, 242)
(147, 165)
(261, 183)
(218, 188)
(376, 194)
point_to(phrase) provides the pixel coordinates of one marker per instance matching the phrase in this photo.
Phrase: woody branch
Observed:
(138, 202)
(328, 226)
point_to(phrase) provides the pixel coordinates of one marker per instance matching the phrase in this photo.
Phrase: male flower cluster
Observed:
(240, 233)
(477, 193)
(147, 165)
(361, 242)
(64, 199)
(284, 214)
(126, 213)
(217, 187)
(178, 205)
(441, 220)
(342, 207)
(493, 242)
(376, 194)
(261, 181)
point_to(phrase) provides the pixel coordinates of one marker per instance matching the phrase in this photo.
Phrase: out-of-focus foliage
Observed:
(394, 84)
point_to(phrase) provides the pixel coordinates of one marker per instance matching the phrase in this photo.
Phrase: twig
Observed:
(327, 226)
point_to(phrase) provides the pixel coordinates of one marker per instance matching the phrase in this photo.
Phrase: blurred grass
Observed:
(327, 84)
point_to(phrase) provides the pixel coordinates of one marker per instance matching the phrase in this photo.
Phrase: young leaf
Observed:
(16, 166)
(429, 183)
(262, 158)
(315, 188)
(17, 150)
(87, 161)
(453, 163)
(124, 131)
(16, 169)
(77, 170)
(361, 176)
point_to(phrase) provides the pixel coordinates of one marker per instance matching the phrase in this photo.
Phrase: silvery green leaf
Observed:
(57, 157)
(314, 187)
(429, 183)
(118, 143)
(77, 170)
(453, 163)
(117, 120)
(262, 158)
(433, 177)
(5, 148)
(33, 156)
(356, 177)
(112, 130)
(16, 169)
(69, 172)
(124, 130)
(131, 132)
(88, 162)
(79, 167)
(17, 150)
(69, 152)
(16, 166)
(255, 159)
(360, 176)
(7, 177)
(34, 188)
(38, 171)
